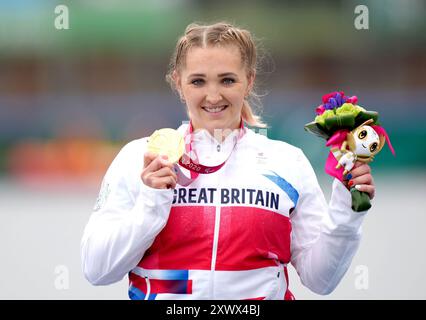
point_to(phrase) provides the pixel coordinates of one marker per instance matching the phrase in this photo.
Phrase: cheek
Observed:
(359, 148)
(236, 98)
(192, 97)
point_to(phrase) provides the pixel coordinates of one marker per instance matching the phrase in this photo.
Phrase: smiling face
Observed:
(366, 141)
(214, 82)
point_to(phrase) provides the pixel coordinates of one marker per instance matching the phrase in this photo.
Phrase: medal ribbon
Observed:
(195, 168)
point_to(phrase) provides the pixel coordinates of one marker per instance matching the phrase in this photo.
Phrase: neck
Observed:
(219, 134)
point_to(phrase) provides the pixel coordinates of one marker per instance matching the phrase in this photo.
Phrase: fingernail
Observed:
(358, 187)
(349, 176)
(350, 183)
(165, 157)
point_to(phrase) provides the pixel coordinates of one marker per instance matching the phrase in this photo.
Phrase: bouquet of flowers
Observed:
(353, 133)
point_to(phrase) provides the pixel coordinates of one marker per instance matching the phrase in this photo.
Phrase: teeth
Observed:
(214, 109)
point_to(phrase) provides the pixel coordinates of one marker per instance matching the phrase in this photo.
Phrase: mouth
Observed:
(364, 146)
(215, 109)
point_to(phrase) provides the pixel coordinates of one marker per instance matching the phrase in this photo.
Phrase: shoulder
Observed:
(134, 147)
(288, 161)
(278, 147)
(129, 158)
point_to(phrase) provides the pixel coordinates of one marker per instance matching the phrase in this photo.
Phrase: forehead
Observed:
(218, 59)
(369, 129)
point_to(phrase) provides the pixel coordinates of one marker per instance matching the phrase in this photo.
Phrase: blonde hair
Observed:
(220, 33)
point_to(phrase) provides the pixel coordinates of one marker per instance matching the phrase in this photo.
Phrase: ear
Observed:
(250, 80)
(177, 81)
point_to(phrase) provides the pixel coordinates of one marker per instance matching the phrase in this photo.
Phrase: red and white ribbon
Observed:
(190, 161)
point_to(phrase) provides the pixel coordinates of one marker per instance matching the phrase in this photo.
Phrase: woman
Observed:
(228, 234)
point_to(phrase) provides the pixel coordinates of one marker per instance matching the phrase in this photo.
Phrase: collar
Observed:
(204, 137)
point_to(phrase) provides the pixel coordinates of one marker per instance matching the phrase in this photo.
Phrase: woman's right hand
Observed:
(158, 172)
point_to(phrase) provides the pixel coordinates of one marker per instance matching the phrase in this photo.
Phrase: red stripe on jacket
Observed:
(249, 238)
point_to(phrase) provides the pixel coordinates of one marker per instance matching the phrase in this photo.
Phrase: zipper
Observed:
(215, 240)
(214, 252)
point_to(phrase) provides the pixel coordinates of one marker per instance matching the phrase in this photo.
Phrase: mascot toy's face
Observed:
(365, 142)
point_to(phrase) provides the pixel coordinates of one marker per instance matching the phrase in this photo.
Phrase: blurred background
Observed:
(71, 98)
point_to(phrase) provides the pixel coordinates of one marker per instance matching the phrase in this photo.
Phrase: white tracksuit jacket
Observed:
(227, 235)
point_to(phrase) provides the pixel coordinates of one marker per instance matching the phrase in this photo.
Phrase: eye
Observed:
(197, 82)
(228, 80)
(373, 146)
(362, 134)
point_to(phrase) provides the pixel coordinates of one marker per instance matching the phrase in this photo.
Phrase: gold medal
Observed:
(167, 142)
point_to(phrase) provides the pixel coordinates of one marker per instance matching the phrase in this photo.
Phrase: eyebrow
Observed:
(226, 74)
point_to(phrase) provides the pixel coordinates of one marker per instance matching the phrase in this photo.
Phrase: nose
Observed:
(213, 95)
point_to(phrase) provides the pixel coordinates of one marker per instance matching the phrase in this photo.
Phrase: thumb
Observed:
(148, 158)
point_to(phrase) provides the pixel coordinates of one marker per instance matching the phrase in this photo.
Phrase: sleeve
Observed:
(127, 217)
(324, 238)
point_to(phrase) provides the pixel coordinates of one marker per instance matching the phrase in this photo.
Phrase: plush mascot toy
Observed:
(353, 134)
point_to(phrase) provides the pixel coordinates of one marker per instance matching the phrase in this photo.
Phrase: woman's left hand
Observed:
(362, 179)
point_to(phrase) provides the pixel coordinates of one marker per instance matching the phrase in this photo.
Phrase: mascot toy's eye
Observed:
(373, 146)
(362, 134)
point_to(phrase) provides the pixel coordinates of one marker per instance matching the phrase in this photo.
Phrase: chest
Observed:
(251, 177)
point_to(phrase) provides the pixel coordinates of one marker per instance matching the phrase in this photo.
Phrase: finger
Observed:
(350, 175)
(159, 182)
(360, 170)
(158, 163)
(370, 189)
(164, 161)
(163, 172)
(364, 179)
(172, 184)
(358, 163)
(164, 183)
(148, 157)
